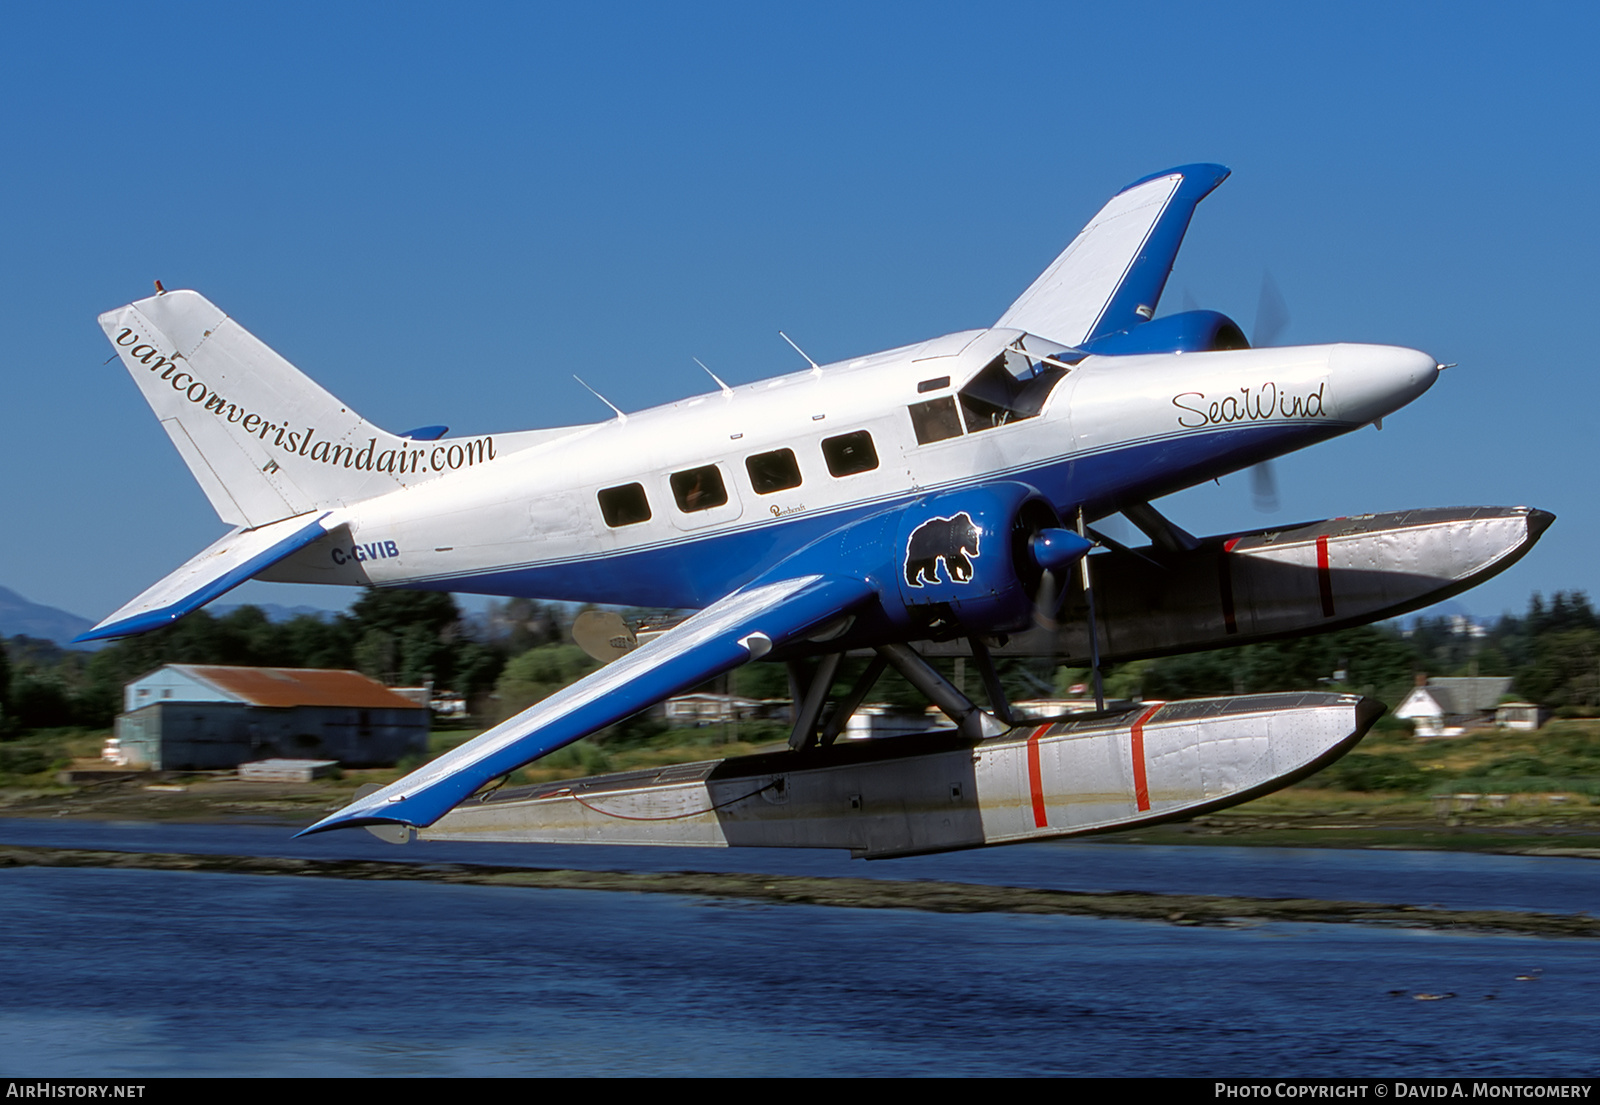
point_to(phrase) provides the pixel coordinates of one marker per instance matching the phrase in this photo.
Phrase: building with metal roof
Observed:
(199, 717)
(1448, 707)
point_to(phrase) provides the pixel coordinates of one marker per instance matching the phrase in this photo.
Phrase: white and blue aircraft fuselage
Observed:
(918, 493)
(533, 521)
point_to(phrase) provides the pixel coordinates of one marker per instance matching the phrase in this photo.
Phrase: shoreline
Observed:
(850, 893)
(1262, 823)
(293, 806)
(1282, 820)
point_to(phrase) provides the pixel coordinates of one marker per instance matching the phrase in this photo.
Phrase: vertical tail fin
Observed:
(1111, 277)
(263, 439)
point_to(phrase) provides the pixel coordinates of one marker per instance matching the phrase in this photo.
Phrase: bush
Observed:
(30, 759)
(581, 755)
(1367, 772)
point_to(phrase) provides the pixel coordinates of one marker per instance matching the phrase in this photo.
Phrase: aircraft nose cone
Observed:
(1371, 381)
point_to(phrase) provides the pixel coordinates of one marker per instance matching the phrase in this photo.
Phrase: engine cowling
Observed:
(1189, 332)
(973, 560)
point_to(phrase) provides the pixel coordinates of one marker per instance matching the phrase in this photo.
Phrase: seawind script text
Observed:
(1257, 404)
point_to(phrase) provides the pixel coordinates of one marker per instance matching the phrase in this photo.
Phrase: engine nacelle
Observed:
(972, 561)
(1189, 332)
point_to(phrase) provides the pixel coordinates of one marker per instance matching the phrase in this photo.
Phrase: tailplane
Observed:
(264, 441)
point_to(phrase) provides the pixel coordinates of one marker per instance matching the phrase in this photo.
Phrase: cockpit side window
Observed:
(935, 420)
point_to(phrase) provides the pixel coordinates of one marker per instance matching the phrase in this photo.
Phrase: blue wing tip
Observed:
(1206, 174)
(128, 627)
(342, 820)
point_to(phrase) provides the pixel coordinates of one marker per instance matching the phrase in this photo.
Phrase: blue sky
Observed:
(442, 213)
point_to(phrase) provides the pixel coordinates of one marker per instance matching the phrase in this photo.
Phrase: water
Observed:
(133, 974)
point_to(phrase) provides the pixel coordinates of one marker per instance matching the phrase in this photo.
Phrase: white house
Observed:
(1449, 707)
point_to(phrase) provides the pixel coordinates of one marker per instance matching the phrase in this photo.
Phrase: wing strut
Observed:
(851, 702)
(991, 680)
(816, 696)
(960, 709)
(1159, 528)
(1094, 627)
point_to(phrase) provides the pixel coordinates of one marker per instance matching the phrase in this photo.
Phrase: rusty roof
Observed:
(298, 686)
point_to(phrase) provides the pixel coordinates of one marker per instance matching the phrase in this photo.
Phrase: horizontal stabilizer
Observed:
(739, 628)
(1112, 275)
(215, 571)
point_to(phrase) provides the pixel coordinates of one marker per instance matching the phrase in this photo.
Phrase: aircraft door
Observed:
(556, 518)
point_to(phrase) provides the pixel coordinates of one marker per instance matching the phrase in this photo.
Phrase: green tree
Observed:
(537, 674)
(407, 637)
(395, 611)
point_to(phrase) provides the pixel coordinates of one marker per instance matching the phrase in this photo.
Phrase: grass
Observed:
(1562, 758)
(33, 759)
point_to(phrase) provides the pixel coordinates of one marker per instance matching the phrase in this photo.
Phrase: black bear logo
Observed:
(953, 540)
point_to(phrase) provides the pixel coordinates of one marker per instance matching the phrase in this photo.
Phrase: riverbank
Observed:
(850, 893)
(1295, 818)
(1535, 794)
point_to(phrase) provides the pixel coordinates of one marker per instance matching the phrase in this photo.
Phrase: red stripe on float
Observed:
(1141, 786)
(1036, 779)
(1324, 576)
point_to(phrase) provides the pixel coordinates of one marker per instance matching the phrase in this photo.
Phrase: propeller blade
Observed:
(1264, 487)
(1272, 319)
(1047, 603)
(1054, 550)
(1272, 314)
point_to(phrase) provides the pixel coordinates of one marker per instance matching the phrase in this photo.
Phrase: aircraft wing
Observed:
(1112, 275)
(215, 570)
(733, 630)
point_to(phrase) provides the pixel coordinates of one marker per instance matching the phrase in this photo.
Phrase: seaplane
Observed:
(936, 498)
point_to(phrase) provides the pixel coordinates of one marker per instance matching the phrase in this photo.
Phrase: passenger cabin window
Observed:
(1005, 392)
(699, 489)
(774, 471)
(849, 454)
(935, 420)
(624, 506)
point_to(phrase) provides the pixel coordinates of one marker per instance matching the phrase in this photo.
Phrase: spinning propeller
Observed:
(1272, 319)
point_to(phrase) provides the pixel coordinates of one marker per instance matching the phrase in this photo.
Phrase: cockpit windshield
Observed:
(1010, 388)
